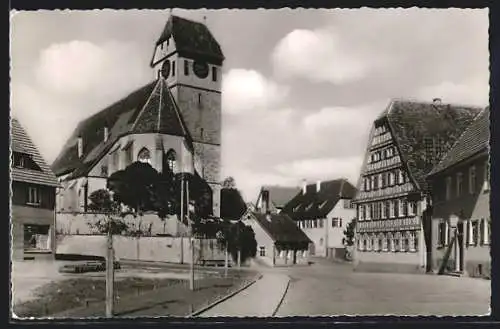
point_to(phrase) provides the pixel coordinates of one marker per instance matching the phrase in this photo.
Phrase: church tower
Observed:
(189, 58)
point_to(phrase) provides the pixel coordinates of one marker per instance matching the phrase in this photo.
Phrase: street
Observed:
(327, 288)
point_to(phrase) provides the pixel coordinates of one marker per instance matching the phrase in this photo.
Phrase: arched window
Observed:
(171, 160)
(144, 156)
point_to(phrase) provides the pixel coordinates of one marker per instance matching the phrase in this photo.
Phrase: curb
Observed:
(282, 298)
(222, 299)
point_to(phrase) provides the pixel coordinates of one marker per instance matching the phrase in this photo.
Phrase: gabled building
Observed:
(460, 190)
(173, 121)
(33, 197)
(323, 211)
(279, 240)
(406, 141)
(274, 198)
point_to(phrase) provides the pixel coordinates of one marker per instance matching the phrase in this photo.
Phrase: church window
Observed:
(144, 156)
(171, 161)
(186, 67)
(214, 73)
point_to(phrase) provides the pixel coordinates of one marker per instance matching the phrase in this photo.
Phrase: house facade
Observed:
(279, 241)
(460, 189)
(406, 141)
(275, 198)
(33, 198)
(174, 121)
(323, 210)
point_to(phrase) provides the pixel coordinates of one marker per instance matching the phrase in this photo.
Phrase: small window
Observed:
(200, 104)
(214, 73)
(459, 184)
(104, 171)
(173, 68)
(321, 223)
(475, 232)
(335, 222)
(34, 197)
(391, 209)
(348, 204)
(396, 208)
(186, 67)
(262, 251)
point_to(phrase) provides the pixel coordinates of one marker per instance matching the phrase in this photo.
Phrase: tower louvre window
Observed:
(173, 68)
(214, 73)
(186, 67)
(199, 101)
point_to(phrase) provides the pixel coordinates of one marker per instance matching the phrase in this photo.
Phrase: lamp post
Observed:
(109, 270)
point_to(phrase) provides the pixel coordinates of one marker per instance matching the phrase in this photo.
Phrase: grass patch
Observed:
(60, 296)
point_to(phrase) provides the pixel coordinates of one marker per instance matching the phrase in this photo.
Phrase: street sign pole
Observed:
(191, 241)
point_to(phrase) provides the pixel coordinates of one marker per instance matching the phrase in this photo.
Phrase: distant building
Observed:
(278, 197)
(406, 141)
(173, 121)
(33, 198)
(460, 189)
(323, 211)
(279, 240)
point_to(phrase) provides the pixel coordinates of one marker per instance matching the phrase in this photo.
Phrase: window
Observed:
(391, 209)
(362, 211)
(472, 179)
(186, 67)
(321, 223)
(104, 170)
(171, 161)
(475, 232)
(448, 188)
(401, 178)
(335, 222)
(442, 234)
(309, 207)
(34, 197)
(370, 211)
(173, 68)
(214, 73)
(315, 223)
(18, 160)
(405, 208)
(387, 208)
(144, 156)
(347, 204)
(459, 183)
(128, 153)
(391, 178)
(262, 251)
(380, 181)
(367, 184)
(396, 208)
(412, 206)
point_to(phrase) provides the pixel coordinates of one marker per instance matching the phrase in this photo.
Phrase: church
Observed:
(173, 121)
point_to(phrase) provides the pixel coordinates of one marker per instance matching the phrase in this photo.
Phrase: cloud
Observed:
(475, 92)
(322, 168)
(317, 55)
(78, 67)
(248, 90)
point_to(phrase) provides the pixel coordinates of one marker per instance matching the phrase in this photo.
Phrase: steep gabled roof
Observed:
(412, 123)
(474, 139)
(150, 109)
(192, 39)
(21, 142)
(281, 228)
(314, 204)
(279, 196)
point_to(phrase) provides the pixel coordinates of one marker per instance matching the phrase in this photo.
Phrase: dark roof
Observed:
(414, 123)
(313, 204)
(280, 195)
(150, 109)
(192, 39)
(20, 142)
(281, 228)
(474, 139)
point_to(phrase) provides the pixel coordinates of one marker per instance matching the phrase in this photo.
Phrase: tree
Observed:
(238, 237)
(349, 232)
(233, 207)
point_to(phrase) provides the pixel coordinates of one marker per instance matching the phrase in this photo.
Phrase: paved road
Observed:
(259, 300)
(327, 289)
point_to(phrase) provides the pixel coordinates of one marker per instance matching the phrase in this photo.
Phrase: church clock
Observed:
(165, 69)
(200, 69)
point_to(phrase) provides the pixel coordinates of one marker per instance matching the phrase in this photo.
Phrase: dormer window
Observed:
(214, 73)
(323, 204)
(309, 206)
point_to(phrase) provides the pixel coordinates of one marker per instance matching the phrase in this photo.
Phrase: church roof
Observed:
(318, 204)
(413, 124)
(192, 39)
(475, 139)
(22, 143)
(150, 109)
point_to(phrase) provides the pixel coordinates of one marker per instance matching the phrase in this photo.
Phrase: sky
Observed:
(300, 87)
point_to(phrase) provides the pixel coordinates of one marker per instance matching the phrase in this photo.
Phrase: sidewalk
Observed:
(259, 300)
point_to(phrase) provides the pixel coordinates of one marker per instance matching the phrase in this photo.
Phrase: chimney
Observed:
(106, 134)
(436, 101)
(318, 186)
(304, 186)
(80, 147)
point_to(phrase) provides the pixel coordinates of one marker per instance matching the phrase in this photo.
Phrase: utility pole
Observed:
(191, 241)
(110, 271)
(239, 245)
(226, 260)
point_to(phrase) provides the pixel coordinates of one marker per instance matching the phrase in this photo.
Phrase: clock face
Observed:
(200, 69)
(165, 69)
